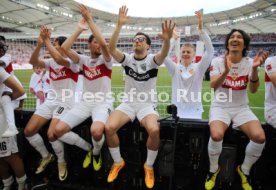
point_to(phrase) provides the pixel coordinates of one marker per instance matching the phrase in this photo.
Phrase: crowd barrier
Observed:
(182, 161)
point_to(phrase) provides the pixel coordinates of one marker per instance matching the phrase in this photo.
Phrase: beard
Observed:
(96, 53)
(138, 50)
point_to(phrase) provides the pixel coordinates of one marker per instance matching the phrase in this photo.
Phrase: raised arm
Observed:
(34, 60)
(208, 54)
(217, 80)
(66, 46)
(254, 78)
(167, 32)
(174, 42)
(45, 35)
(86, 14)
(122, 19)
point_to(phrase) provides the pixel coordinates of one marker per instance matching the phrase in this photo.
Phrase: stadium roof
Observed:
(62, 17)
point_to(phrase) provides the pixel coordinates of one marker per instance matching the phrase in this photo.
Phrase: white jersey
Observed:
(36, 82)
(187, 82)
(8, 63)
(96, 76)
(62, 80)
(232, 93)
(8, 67)
(270, 89)
(36, 85)
(3, 76)
(79, 88)
(141, 76)
(45, 82)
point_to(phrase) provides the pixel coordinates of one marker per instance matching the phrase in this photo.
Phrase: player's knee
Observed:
(51, 136)
(217, 136)
(97, 134)
(259, 138)
(28, 132)
(110, 129)
(154, 131)
(60, 130)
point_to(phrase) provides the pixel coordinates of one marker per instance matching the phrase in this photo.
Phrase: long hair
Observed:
(246, 40)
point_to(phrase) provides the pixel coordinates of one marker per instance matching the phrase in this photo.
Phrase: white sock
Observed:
(97, 145)
(59, 150)
(8, 109)
(253, 152)
(37, 142)
(21, 182)
(151, 156)
(214, 151)
(74, 139)
(116, 155)
(7, 183)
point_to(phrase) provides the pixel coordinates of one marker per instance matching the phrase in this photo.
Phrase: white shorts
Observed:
(8, 146)
(3, 119)
(80, 112)
(140, 110)
(4, 125)
(270, 118)
(6, 89)
(238, 115)
(50, 110)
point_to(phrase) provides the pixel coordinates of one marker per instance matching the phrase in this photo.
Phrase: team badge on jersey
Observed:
(191, 71)
(57, 70)
(143, 67)
(234, 75)
(268, 67)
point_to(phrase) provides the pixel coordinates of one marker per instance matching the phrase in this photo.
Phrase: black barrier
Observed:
(182, 162)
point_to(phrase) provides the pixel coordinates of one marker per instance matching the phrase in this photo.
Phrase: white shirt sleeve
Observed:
(208, 54)
(109, 64)
(74, 67)
(215, 68)
(32, 81)
(36, 82)
(270, 65)
(126, 60)
(47, 63)
(173, 44)
(82, 60)
(6, 59)
(3, 75)
(151, 59)
(170, 65)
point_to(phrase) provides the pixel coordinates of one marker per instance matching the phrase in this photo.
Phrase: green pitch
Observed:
(163, 85)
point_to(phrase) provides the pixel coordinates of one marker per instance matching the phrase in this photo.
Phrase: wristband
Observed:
(254, 81)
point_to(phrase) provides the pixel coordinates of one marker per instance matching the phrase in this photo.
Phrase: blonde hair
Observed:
(188, 45)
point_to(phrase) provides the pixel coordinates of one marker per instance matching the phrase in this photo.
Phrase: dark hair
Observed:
(2, 38)
(3, 46)
(246, 40)
(143, 34)
(91, 37)
(61, 39)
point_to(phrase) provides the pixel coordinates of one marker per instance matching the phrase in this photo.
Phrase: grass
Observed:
(163, 84)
